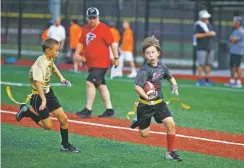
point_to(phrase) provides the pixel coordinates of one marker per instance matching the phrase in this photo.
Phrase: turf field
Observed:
(217, 109)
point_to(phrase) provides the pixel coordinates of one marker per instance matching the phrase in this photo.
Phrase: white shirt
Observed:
(58, 33)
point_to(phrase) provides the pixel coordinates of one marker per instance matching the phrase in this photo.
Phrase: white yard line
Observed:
(136, 130)
(26, 84)
(129, 80)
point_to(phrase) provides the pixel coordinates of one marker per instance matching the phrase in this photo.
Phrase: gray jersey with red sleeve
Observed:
(154, 75)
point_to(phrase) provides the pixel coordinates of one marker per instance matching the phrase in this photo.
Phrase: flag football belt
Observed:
(131, 113)
(28, 97)
(150, 103)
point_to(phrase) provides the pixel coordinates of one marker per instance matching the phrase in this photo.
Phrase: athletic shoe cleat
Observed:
(85, 113)
(172, 156)
(69, 148)
(209, 83)
(21, 113)
(134, 123)
(108, 113)
(131, 75)
(200, 82)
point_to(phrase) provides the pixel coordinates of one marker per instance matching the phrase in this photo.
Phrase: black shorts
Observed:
(235, 60)
(97, 76)
(52, 104)
(146, 112)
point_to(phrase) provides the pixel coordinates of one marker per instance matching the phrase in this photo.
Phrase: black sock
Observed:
(36, 118)
(65, 136)
(207, 79)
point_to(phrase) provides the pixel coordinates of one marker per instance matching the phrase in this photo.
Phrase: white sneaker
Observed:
(132, 75)
(238, 84)
(231, 83)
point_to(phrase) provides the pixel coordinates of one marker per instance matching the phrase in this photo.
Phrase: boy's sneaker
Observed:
(238, 84)
(134, 123)
(85, 113)
(69, 148)
(172, 156)
(132, 75)
(231, 83)
(108, 113)
(200, 82)
(21, 113)
(209, 83)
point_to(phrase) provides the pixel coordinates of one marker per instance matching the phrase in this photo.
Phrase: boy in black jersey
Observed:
(153, 105)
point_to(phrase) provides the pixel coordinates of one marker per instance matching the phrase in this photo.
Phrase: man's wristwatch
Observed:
(116, 58)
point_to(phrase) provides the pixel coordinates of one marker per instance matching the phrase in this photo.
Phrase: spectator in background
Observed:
(57, 32)
(204, 37)
(45, 32)
(95, 41)
(75, 32)
(236, 52)
(126, 49)
(116, 37)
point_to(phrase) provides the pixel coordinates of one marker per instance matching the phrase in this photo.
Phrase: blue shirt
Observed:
(238, 47)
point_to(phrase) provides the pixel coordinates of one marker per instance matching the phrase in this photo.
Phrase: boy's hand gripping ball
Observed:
(149, 89)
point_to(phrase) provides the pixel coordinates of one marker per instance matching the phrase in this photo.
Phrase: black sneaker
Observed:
(134, 123)
(108, 113)
(69, 148)
(21, 113)
(172, 156)
(85, 113)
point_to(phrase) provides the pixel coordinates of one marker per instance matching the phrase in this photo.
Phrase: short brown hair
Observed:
(150, 41)
(48, 43)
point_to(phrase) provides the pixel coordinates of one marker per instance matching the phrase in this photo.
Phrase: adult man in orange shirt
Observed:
(95, 40)
(126, 50)
(75, 32)
(116, 37)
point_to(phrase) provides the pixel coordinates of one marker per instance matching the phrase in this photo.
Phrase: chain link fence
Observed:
(170, 21)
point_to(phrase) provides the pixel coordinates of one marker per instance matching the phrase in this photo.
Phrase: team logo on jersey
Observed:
(89, 37)
(155, 76)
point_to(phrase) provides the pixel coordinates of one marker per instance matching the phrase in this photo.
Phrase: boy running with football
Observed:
(151, 104)
(43, 100)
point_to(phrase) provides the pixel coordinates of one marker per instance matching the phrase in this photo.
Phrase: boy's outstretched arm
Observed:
(60, 76)
(174, 86)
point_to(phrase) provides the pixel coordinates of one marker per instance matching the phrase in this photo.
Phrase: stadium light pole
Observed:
(19, 29)
(84, 11)
(147, 8)
(194, 55)
(136, 26)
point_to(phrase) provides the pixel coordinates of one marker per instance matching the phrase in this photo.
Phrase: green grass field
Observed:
(217, 108)
(29, 147)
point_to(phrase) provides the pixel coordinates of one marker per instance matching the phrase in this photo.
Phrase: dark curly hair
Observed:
(150, 41)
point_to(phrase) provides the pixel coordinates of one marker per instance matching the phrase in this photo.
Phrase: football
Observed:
(149, 88)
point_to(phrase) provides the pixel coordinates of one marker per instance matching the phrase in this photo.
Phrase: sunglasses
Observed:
(92, 17)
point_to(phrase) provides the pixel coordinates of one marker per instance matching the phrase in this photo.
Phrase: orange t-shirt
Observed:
(127, 41)
(115, 34)
(75, 32)
(44, 34)
(96, 44)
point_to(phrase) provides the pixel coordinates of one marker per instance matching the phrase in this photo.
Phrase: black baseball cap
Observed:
(92, 12)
